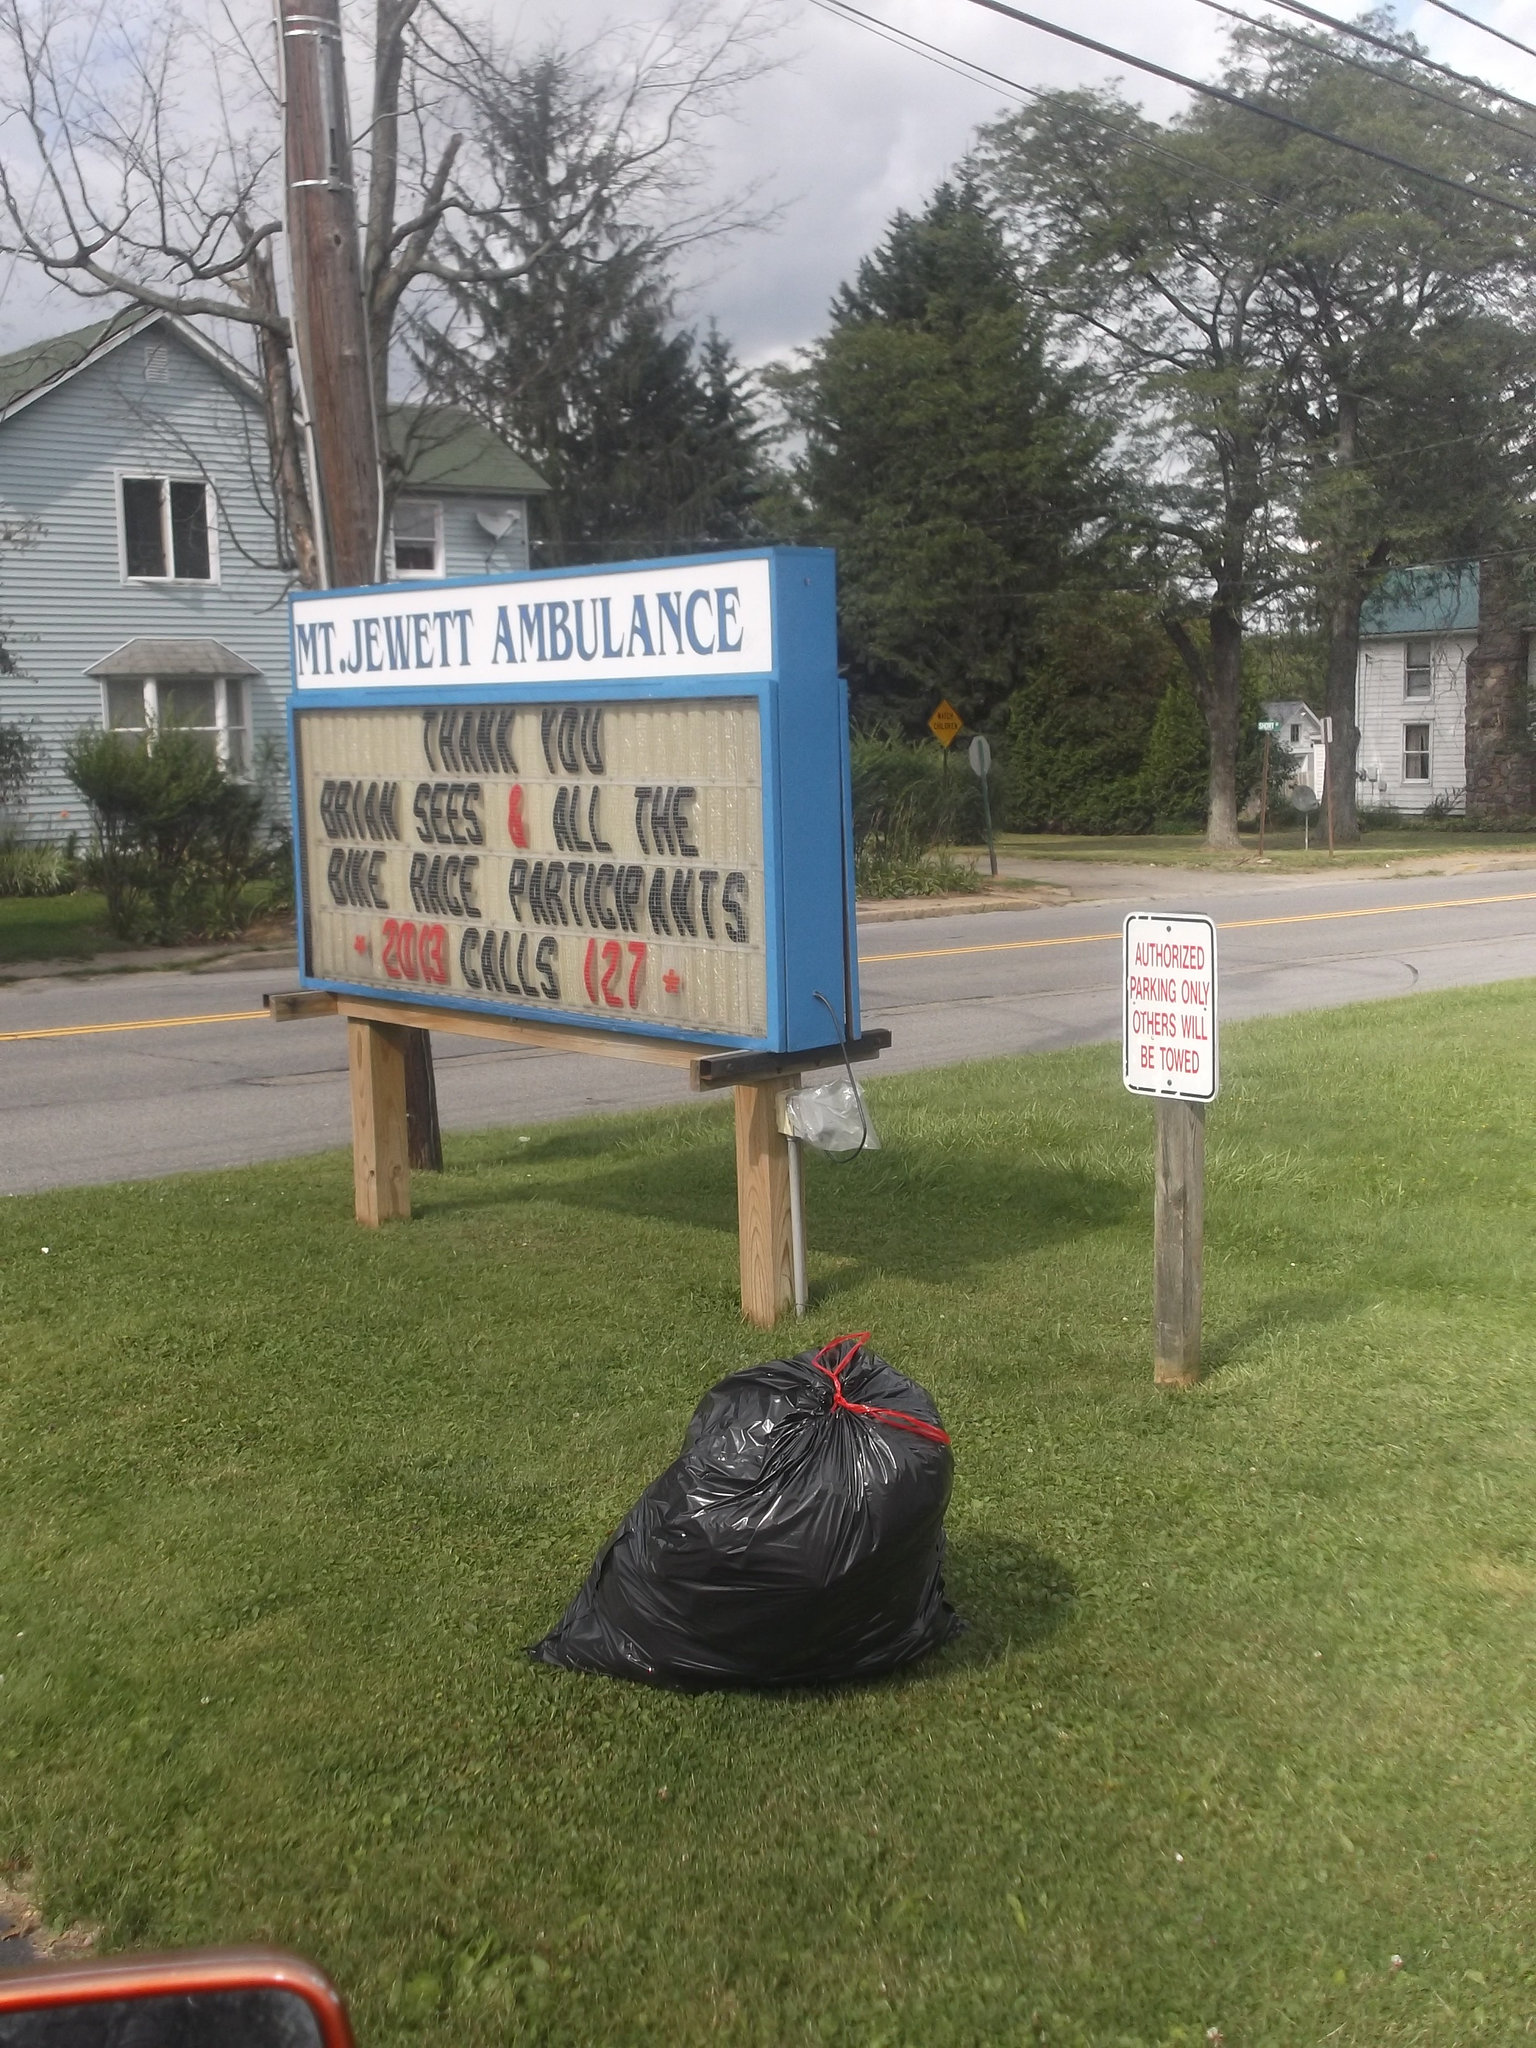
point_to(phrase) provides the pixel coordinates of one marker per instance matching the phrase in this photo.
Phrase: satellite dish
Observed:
(1304, 798)
(497, 524)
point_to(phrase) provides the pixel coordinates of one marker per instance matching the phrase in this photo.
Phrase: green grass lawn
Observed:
(1284, 850)
(1245, 1711)
(53, 927)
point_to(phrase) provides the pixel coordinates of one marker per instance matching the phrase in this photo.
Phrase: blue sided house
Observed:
(143, 579)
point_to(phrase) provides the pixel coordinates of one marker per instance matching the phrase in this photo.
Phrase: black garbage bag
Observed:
(798, 1539)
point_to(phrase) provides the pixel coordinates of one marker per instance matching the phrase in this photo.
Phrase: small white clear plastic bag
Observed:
(833, 1116)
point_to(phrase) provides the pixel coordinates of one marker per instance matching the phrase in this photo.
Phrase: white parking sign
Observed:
(1169, 1016)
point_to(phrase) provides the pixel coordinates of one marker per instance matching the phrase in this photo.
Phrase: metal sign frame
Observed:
(802, 710)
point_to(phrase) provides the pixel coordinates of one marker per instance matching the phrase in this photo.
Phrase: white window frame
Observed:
(1425, 726)
(165, 478)
(435, 507)
(231, 714)
(1425, 668)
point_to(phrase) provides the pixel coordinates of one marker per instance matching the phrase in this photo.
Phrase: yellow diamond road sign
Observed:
(945, 723)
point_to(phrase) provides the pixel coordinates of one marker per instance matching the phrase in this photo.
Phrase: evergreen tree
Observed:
(959, 475)
(570, 350)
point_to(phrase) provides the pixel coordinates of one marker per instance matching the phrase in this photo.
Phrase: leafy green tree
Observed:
(1407, 309)
(1294, 330)
(1133, 240)
(960, 476)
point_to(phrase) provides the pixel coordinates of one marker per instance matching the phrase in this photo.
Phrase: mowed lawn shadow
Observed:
(1010, 1595)
(1310, 1309)
(926, 1214)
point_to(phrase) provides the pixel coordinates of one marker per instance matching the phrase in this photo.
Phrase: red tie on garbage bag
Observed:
(856, 1342)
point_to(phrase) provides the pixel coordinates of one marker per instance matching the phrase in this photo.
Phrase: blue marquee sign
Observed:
(610, 797)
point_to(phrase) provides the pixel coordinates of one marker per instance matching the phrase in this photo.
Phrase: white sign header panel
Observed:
(697, 618)
(1168, 1035)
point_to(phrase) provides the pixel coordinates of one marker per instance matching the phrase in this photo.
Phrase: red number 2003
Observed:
(415, 952)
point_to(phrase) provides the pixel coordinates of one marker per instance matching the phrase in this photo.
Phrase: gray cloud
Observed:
(848, 128)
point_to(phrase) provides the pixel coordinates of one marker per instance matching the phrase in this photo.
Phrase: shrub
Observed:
(36, 870)
(178, 841)
(905, 804)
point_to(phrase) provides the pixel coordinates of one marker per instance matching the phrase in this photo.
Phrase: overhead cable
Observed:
(1257, 107)
(1487, 27)
(1397, 49)
(965, 67)
(1425, 92)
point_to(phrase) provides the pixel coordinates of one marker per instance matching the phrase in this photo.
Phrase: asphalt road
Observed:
(116, 1077)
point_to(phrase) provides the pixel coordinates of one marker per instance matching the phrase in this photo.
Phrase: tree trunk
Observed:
(1339, 695)
(1500, 779)
(1216, 680)
(1222, 716)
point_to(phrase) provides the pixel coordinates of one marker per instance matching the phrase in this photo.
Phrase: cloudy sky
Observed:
(850, 128)
(846, 128)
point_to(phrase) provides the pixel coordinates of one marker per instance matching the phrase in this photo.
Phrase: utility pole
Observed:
(330, 333)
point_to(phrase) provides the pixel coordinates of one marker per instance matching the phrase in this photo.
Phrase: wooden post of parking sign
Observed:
(1169, 1051)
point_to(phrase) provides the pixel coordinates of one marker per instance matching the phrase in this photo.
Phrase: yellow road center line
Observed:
(1239, 924)
(137, 1024)
(1236, 924)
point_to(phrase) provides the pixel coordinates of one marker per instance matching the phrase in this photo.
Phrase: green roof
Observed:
(1438, 600)
(444, 449)
(26, 369)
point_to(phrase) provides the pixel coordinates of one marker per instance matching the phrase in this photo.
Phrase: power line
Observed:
(903, 39)
(1257, 107)
(1396, 49)
(965, 67)
(1487, 27)
(1427, 92)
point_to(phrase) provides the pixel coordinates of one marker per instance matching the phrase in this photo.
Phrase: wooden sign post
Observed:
(1169, 1051)
(599, 810)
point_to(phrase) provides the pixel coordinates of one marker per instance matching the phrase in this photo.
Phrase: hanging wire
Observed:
(1426, 92)
(1487, 27)
(1397, 49)
(1258, 107)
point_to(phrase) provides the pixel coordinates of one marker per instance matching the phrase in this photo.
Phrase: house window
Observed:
(215, 711)
(1418, 668)
(1415, 753)
(1295, 734)
(416, 538)
(167, 533)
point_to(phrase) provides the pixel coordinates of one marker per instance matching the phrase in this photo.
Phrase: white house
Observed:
(150, 586)
(1301, 735)
(1411, 695)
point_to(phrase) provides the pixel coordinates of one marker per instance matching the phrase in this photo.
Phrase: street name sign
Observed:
(1169, 1038)
(608, 797)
